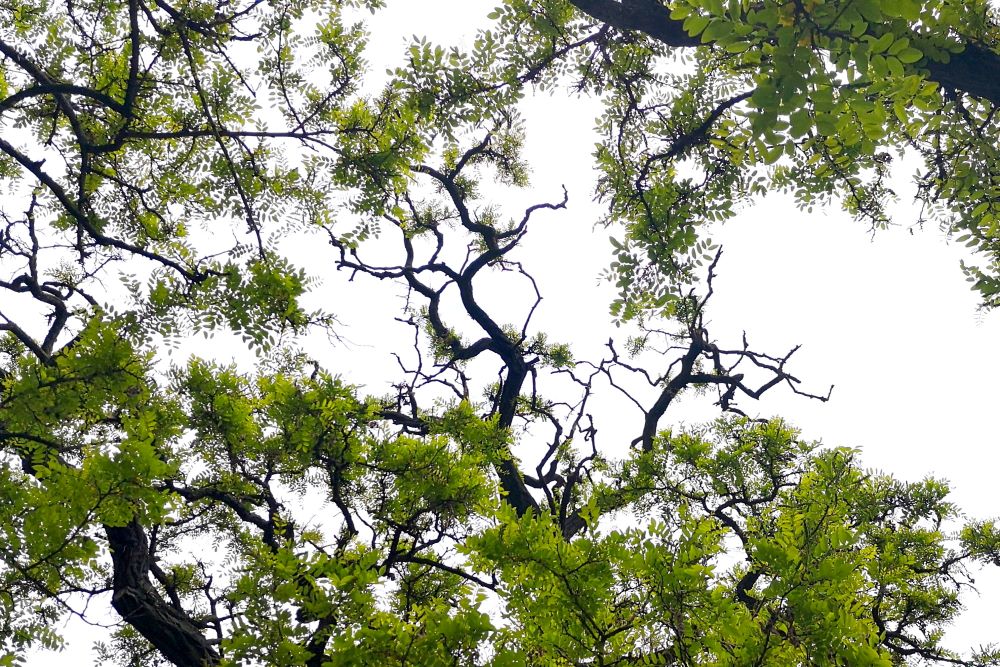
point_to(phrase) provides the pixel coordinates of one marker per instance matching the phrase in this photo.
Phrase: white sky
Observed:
(890, 321)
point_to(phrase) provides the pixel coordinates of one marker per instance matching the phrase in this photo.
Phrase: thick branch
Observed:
(192, 494)
(669, 393)
(173, 634)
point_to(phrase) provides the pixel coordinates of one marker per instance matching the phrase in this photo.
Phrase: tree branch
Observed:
(171, 631)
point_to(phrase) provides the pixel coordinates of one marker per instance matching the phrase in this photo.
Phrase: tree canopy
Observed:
(158, 158)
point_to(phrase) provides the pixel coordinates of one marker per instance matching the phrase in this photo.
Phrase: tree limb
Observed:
(172, 632)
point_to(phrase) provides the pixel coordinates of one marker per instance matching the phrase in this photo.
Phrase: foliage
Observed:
(157, 158)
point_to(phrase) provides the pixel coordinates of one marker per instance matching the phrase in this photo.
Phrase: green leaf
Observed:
(910, 55)
(716, 30)
(695, 24)
(883, 43)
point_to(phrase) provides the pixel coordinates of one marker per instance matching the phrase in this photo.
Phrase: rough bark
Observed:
(170, 630)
